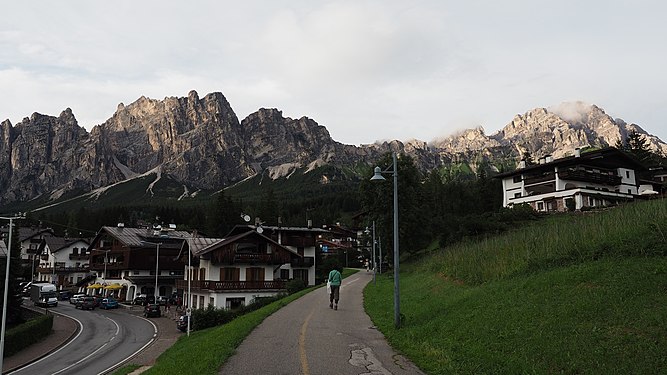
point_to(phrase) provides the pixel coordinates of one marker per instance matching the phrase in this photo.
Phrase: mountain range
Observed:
(200, 143)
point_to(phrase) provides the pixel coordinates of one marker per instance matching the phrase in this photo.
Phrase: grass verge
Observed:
(576, 294)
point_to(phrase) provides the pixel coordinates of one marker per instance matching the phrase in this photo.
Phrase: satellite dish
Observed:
(245, 218)
(260, 230)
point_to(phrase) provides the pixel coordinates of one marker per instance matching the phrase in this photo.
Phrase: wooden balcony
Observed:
(305, 262)
(227, 286)
(45, 270)
(599, 178)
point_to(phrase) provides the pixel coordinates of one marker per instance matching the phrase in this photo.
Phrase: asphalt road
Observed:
(106, 339)
(307, 337)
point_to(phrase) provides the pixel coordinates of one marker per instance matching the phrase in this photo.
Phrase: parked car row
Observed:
(84, 302)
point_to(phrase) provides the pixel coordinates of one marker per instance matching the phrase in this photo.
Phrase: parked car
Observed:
(109, 303)
(152, 310)
(64, 295)
(76, 298)
(140, 299)
(182, 323)
(161, 300)
(27, 289)
(86, 303)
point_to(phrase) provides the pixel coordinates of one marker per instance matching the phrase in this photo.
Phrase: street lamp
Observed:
(4, 304)
(157, 262)
(378, 176)
(106, 260)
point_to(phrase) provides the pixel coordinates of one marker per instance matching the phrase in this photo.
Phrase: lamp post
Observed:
(157, 263)
(53, 277)
(4, 304)
(106, 260)
(374, 263)
(377, 175)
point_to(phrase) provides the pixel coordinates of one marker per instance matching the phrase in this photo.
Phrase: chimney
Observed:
(310, 223)
(541, 161)
(577, 152)
(121, 225)
(548, 158)
(522, 164)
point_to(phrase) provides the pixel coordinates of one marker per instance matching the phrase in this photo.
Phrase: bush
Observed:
(26, 334)
(211, 317)
(295, 285)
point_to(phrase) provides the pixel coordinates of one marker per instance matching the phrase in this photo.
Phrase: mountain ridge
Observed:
(201, 143)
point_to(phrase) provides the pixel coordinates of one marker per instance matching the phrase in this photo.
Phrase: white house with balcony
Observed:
(251, 262)
(63, 261)
(596, 178)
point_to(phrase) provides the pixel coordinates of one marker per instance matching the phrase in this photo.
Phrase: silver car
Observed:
(76, 298)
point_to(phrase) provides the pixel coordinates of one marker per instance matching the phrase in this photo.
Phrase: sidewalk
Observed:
(307, 337)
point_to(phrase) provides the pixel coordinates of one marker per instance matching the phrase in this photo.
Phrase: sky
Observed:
(367, 70)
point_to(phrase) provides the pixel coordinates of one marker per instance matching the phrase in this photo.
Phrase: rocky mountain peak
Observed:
(200, 142)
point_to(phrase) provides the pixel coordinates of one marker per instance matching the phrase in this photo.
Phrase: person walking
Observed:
(335, 279)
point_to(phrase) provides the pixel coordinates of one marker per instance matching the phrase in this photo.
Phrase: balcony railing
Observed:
(303, 262)
(44, 270)
(78, 256)
(231, 285)
(600, 178)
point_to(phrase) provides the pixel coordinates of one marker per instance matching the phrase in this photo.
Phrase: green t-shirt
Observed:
(335, 278)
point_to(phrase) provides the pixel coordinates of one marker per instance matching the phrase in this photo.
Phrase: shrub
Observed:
(295, 285)
(26, 334)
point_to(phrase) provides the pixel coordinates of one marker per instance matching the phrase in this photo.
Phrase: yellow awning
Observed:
(114, 286)
(95, 286)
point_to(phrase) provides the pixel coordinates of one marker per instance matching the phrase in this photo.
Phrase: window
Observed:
(516, 179)
(301, 274)
(211, 301)
(75, 251)
(284, 274)
(627, 174)
(229, 274)
(254, 274)
(540, 206)
(201, 302)
(234, 303)
(517, 195)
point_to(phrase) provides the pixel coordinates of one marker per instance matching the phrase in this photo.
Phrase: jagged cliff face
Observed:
(200, 142)
(556, 131)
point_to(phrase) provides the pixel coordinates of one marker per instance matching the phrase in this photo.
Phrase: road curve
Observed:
(105, 340)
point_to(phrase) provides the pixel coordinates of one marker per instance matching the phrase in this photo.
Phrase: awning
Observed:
(114, 286)
(95, 286)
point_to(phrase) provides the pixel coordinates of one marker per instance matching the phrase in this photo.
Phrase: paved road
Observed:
(104, 339)
(307, 337)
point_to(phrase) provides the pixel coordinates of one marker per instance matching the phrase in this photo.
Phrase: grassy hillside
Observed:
(583, 293)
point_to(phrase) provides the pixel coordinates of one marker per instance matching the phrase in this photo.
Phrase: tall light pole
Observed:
(374, 263)
(380, 251)
(4, 304)
(157, 263)
(377, 175)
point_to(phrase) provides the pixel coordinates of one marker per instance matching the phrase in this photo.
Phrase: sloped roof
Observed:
(57, 243)
(207, 245)
(3, 249)
(608, 157)
(135, 237)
